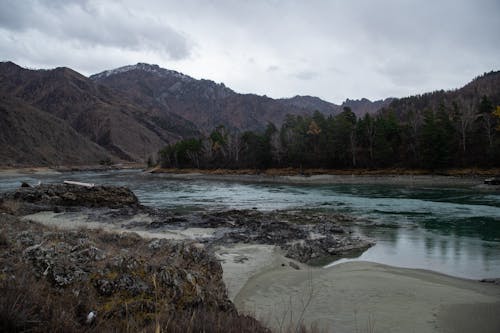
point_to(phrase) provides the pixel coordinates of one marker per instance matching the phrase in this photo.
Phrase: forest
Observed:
(438, 134)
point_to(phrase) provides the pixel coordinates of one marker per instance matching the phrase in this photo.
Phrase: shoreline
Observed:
(347, 297)
(289, 171)
(369, 296)
(8, 170)
(331, 179)
(402, 177)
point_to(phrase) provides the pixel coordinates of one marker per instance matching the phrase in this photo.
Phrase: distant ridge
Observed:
(58, 116)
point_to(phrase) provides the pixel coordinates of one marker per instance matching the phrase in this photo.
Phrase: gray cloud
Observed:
(272, 68)
(331, 49)
(88, 24)
(306, 75)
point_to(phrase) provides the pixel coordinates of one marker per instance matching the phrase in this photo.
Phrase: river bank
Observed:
(50, 170)
(332, 179)
(403, 177)
(363, 296)
(354, 296)
(256, 274)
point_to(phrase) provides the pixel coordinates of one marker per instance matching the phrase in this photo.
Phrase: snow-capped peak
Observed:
(142, 67)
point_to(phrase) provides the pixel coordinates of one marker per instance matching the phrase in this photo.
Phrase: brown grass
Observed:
(10, 206)
(29, 305)
(30, 302)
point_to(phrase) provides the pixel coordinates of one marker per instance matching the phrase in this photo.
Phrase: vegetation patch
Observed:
(94, 281)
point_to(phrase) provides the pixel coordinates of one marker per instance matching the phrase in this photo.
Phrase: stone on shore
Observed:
(45, 197)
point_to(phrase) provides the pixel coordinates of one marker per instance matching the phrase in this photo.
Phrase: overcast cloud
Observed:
(331, 49)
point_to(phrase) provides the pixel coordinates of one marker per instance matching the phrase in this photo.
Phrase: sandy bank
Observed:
(13, 172)
(362, 296)
(403, 180)
(42, 170)
(241, 262)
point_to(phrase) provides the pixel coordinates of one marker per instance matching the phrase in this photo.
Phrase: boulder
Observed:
(56, 196)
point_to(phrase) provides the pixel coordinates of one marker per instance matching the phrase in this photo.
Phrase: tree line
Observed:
(458, 133)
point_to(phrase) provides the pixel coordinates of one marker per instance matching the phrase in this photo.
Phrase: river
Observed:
(452, 230)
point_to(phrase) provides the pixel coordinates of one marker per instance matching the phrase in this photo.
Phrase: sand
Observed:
(241, 262)
(349, 297)
(369, 297)
(15, 172)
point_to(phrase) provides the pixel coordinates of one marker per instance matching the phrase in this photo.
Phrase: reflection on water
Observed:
(448, 253)
(451, 230)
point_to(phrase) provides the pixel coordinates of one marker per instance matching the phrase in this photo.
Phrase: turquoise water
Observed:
(451, 230)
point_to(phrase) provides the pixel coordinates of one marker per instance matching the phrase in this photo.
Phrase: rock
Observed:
(305, 236)
(91, 317)
(310, 250)
(492, 181)
(293, 265)
(52, 197)
(105, 287)
(24, 184)
(493, 281)
(114, 278)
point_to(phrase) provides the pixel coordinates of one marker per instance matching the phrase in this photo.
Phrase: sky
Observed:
(334, 49)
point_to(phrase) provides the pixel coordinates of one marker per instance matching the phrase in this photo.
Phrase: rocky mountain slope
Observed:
(312, 103)
(360, 107)
(29, 136)
(208, 104)
(203, 102)
(106, 117)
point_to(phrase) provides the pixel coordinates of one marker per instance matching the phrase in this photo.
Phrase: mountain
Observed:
(31, 137)
(455, 102)
(360, 107)
(59, 116)
(109, 118)
(312, 103)
(203, 102)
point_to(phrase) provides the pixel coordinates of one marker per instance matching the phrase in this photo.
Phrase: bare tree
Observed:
(466, 116)
(415, 121)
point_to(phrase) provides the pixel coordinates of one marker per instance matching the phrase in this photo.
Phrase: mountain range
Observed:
(60, 117)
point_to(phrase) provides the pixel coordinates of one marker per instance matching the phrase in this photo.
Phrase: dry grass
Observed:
(31, 302)
(30, 305)
(10, 206)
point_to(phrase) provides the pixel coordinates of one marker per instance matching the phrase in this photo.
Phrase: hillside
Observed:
(29, 136)
(486, 85)
(208, 104)
(108, 118)
(439, 130)
(312, 103)
(360, 107)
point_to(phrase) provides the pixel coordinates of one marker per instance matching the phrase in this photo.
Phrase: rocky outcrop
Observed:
(116, 281)
(306, 236)
(324, 249)
(61, 196)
